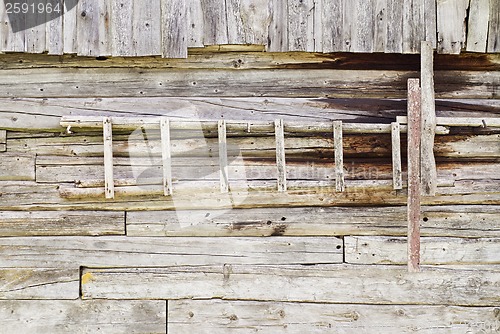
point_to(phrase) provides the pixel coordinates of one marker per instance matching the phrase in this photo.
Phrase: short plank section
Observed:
(223, 316)
(64, 252)
(39, 283)
(17, 167)
(166, 156)
(477, 25)
(109, 183)
(338, 146)
(223, 172)
(397, 172)
(174, 28)
(88, 316)
(3, 140)
(280, 154)
(61, 223)
(451, 221)
(390, 250)
(352, 284)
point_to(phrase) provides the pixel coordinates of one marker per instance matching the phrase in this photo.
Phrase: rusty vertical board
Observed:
(428, 107)
(280, 154)
(166, 155)
(397, 174)
(414, 137)
(339, 156)
(109, 185)
(224, 182)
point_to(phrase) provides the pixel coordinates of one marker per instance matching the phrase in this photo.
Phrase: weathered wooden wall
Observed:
(169, 27)
(307, 260)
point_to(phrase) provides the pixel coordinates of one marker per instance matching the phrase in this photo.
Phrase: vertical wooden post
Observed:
(166, 156)
(280, 154)
(397, 174)
(414, 136)
(427, 160)
(109, 183)
(224, 182)
(339, 156)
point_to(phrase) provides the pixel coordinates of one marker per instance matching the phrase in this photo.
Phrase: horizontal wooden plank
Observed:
(46, 223)
(39, 283)
(17, 167)
(352, 284)
(3, 140)
(45, 113)
(390, 250)
(140, 82)
(88, 316)
(223, 316)
(68, 252)
(452, 221)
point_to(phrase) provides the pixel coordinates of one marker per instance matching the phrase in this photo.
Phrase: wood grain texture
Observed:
(35, 37)
(224, 316)
(397, 172)
(122, 28)
(166, 156)
(390, 250)
(174, 28)
(64, 223)
(353, 283)
(39, 283)
(249, 21)
(477, 25)
(109, 182)
(3, 140)
(444, 221)
(363, 26)
(413, 25)
(301, 25)
(332, 11)
(394, 33)
(223, 171)
(17, 167)
(73, 252)
(215, 22)
(451, 25)
(54, 33)
(89, 316)
(278, 27)
(280, 155)
(94, 28)
(494, 27)
(338, 146)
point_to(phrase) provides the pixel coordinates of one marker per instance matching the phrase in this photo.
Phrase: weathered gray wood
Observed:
(301, 25)
(46, 223)
(148, 31)
(109, 183)
(122, 28)
(224, 316)
(70, 31)
(449, 221)
(397, 171)
(494, 27)
(390, 250)
(214, 22)
(39, 283)
(477, 25)
(429, 12)
(55, 34)
(135, 82)
(166, 156)
(12, 41)
(451, 25)
(363, 27)
(280, 155)
(353, 284)
(223, 172)
(89, 316)
(195, 24)
(428, 171)
(248, 21)
(461, 121)
(348, 20)
(414, 140)
(174, 28)
(35, 37)
(278, 27)
(413, 25)
(94, 28)
(72, 252)
(17, 167)
(3, 140)
(380, 25)
(338, 146)
(332, 26)
(394, 34)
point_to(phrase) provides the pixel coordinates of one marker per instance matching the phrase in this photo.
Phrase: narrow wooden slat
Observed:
(435, 251)
(278, 27)
(166, 156)
(249, 21)
(215, 22)
(331, 26)
(280, 154)
(338, 145)
(428, 171)
(316, 284)
(460, 121)
(35, 35)
(196, 26)
(394, 36)
(174, 28)
(451, 25)
(122, 251)
(363, 32)
(121, 28)
(147, 28)
(429, 13)
(348, 24)
(414, 140)
(223, 170)
(3, 140)
(301, 25)
(380, 25)
(54, 31)
(70, 30)
(397, 172)
(477, 25)
(38, 282)
(108, 158)
(413, 25)
(12, 41)
(77, 316)
(93, 28)
(494, 27)
(238, 317)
